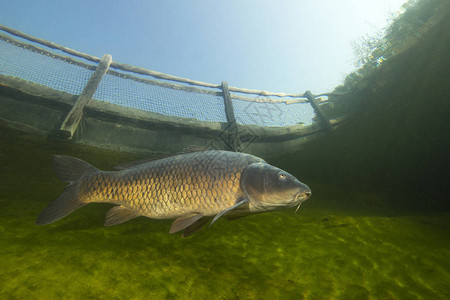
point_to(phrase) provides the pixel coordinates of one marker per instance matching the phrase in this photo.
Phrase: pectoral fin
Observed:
(119, 214)
(242, 202)
(184, 222)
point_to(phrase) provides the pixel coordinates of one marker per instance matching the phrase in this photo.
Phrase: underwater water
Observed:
(328, 250)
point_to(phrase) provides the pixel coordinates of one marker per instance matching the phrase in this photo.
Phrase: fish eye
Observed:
(282, 176)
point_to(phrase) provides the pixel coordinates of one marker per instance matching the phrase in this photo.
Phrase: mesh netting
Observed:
(42, 69)
(63, 76)
(272, 114)
(167, 101)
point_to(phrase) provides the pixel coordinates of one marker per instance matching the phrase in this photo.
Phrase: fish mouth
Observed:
(300, 197)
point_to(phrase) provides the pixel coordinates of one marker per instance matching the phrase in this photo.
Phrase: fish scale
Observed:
(187, 187)
(163, 189)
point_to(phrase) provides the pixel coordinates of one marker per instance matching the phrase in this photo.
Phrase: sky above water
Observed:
(280, 46)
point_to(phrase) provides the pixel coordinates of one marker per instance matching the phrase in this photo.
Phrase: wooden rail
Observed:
(73, 118)
(231, 139)
(230, 134)
(318, 109)
(193, 89)
(155, 74)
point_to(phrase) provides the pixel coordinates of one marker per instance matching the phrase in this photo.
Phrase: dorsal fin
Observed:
(188, 149)
(196, 148)
(135, 163)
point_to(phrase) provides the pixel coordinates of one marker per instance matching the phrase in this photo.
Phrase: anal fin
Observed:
(184, 222)
(118, 215)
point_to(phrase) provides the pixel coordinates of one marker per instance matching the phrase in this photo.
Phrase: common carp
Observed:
(188, 187)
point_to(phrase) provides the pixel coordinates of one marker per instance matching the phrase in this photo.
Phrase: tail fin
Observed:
(68, 169)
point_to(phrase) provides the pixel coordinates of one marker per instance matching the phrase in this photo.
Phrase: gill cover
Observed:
(268, 187)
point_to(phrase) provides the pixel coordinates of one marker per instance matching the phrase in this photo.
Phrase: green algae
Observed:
(326, 251)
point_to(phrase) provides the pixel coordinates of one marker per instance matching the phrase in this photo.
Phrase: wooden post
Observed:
(73, 118)
(232, 130)
(317, 108)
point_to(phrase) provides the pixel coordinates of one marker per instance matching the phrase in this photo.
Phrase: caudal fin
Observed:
(68, 169)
